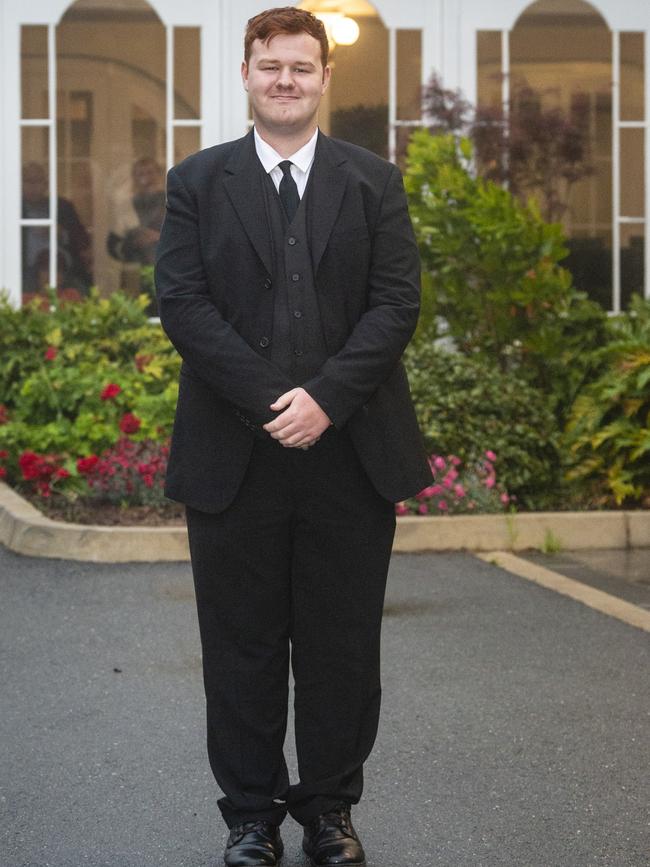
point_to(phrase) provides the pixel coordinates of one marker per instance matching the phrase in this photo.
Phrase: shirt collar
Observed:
(270, 158)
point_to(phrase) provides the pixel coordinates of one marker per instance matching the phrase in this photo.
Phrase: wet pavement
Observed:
(624, 573)
(514, 733)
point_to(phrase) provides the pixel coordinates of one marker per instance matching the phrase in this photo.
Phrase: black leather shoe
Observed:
(330, 839)
(253, 844)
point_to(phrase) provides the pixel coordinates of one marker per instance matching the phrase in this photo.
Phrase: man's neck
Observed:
(284, 142)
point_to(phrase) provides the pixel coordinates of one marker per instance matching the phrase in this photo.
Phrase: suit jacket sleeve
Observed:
(376, 343)
(203, 338)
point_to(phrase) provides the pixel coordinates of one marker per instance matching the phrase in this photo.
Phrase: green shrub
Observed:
(56, 364)
(608, 433)
(491, 271)
(466, 407)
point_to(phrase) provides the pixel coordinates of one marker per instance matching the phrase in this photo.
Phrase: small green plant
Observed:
(551, 544)
(608, 433)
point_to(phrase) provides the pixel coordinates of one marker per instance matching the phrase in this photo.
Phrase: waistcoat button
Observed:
(264, 342)
(292, 241)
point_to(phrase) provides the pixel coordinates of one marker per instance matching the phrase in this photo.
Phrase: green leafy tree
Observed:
(491, 272)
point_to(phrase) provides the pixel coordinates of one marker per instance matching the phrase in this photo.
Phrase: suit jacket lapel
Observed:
(242, 183)
(328, 186)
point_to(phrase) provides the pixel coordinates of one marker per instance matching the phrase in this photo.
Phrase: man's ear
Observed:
(327, 75)
(244, 74)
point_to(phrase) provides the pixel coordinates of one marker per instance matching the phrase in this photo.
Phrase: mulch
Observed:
(109, 514)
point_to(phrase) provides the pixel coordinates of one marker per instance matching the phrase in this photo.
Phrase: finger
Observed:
(279, 423)
(284, 400)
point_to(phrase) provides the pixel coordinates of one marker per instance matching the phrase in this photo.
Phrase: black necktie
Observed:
(288, 191)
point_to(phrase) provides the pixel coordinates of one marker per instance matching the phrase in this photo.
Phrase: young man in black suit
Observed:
(288, 280)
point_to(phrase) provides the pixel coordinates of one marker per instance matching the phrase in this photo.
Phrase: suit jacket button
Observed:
(268, 283)
(264, 342)
(291, 241)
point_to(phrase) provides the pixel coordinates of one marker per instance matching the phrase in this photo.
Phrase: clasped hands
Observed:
(301, 420)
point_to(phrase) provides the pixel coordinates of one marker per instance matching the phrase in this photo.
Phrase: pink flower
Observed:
(505, 499)
(401, 509)
(110, 391)
(490, 482)
(51, 353)
(423, 509)
(490, 455)
(447, 482)
(456, 462)
(439, 463)
(442, 505)
(459, 490)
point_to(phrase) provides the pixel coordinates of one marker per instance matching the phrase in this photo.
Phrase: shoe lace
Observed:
(246, 827)
(339, 815)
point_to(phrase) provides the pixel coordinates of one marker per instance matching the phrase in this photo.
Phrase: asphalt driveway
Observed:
(515, 723)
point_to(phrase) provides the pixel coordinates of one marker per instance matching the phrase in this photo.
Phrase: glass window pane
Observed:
(35, 260)
(409, 74)
(590, 264)
(33, 72)
(632, 175)
(187, 73)
(356, 107)
(632, 75)
(36, 172)
(488, 49)
(111, 94)
(187, 140)
(632, 261)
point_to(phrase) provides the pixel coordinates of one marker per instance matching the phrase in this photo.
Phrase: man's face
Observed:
(285, 81)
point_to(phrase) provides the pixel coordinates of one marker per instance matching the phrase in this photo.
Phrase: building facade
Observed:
(99, 97)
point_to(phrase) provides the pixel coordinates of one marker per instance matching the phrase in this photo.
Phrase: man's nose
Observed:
(285, 78)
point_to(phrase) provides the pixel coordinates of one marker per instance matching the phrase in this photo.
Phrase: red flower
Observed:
(51, 353)
(62, 473)
(29, 464)
(110, 391)
(3, 454)
(3, 473)
(130, 423)
(87, 465)
(4, 415)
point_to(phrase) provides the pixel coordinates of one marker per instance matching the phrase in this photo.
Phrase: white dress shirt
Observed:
(301, 161)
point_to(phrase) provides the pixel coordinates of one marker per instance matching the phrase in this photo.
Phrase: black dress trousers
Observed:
(295, 569)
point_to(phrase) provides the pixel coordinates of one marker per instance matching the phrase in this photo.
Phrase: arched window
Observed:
(375, 95)
(110, 98)
(562, 54)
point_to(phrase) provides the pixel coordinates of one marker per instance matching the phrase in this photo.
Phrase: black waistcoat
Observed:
(297, 343)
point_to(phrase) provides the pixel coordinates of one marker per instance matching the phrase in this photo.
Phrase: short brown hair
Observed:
(285, 19)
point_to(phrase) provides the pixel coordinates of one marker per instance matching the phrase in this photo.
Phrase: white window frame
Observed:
(12, 241)
(618, 219)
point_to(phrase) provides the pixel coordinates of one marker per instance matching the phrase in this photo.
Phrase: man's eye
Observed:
(299, 69)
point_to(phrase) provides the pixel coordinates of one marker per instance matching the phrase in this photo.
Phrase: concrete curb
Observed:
(25, 530)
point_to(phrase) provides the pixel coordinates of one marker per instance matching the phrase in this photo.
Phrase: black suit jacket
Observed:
(213, 278)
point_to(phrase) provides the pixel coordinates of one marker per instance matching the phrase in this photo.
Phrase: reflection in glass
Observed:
(632, 174)
(488, 52)
(632, 75)
(187, 140)
(111, 89)
(358, 94)
(35, 172)
(187, 73)
(33, 72)
(565, 55)
(409, 74)
(632, 261)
